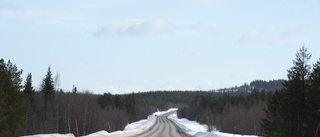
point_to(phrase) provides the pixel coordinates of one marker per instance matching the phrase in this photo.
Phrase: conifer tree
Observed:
(15, 75)
(131, 107)
(119, 102)
(14, 106)
(297, 86)
(287, 116)
(48, 86)
(275, 124)
(28, 88)
(313, 100)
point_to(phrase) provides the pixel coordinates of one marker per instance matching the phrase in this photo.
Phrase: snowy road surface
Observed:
(163, 128)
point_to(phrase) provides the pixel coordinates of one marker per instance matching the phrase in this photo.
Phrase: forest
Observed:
(266, 108)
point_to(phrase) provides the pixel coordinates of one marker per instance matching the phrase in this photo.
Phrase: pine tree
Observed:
(313, 100)
(15, 75)
(290, 111)
(297, 86)
(14, 106)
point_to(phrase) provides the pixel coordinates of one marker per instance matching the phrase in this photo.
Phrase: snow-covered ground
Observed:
(191, 128)
(51, 135)
(194, 129)
(131, 129)
(134, 128)
(143, 123)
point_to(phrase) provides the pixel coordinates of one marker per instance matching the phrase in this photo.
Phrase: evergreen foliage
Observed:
(15, 75)
(48, 86)
(293, 112)
(122, 102)
(313, 100)
(13, 104)
(225, 109)
(28, 88)
(271, 85)
(275, 123)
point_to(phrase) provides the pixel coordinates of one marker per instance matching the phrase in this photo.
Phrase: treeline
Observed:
(26, 111)
(271, 85)
(224, 112)
(125, 103)
(165, 99)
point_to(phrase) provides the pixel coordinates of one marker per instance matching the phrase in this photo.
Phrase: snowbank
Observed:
(134, 128)
(192, 128)
(51, 135)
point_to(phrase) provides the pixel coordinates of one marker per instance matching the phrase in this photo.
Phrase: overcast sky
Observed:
(120, 46)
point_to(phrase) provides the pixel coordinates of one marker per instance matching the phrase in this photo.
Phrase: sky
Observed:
(124, 46)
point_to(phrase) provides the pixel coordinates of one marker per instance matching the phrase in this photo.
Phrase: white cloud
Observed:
(136, 27)
(249, 36)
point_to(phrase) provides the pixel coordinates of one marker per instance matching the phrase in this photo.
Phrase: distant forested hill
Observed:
(271, 85)
(165, 99)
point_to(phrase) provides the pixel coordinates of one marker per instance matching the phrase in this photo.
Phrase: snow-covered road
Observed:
(163, 128)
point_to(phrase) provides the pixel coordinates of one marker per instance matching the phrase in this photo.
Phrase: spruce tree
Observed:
(48, 86)
(275, 124)
(28, 88)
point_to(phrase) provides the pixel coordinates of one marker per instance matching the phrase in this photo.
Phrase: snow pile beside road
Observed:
(134, 128)
(51, 135)
(188, 127)
(130, 130)
(192, 128)
(142, 124)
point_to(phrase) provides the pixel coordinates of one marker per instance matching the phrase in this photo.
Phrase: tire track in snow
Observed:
(163, 128)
